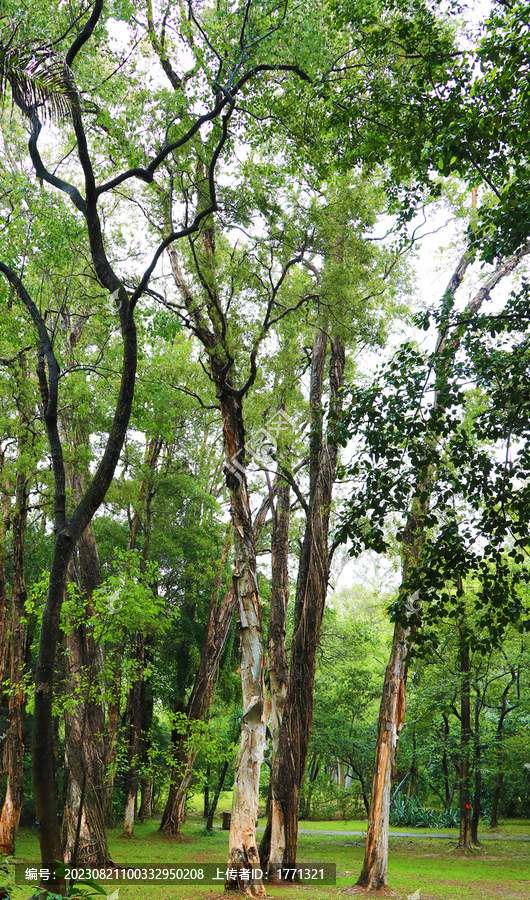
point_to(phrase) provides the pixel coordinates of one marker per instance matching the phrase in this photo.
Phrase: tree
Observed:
(387, 444)
(70, 528)
(16, 517)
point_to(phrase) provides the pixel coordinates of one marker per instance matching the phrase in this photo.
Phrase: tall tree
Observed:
(420, 491)
(14, 746)
(69, 528)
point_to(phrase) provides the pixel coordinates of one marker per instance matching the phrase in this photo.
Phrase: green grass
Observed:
(499, 869)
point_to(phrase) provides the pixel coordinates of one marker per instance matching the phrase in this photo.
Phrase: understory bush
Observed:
(409, 812)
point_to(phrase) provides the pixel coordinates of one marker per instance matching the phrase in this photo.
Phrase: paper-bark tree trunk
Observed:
(390, 722)
(211, 331)
(289, 766)
(272, 844)
(14, 746)
(242, 848)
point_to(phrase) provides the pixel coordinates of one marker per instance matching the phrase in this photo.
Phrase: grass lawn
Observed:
(499, 869)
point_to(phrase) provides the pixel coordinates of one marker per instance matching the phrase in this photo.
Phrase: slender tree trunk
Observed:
(272, 845)
(219, 619)
(219, 788)
(466, 839)
(4, 599)
(206, 801)
(136, 737)
(449, 792)
(146, 781)
(14, 747)
(288, 770)
(242, 848)
(475, 819)
(374, 874)
(500, 752)
(111, 740)
(133, 731)
(496, 799)
(391, 718)
(414, 771)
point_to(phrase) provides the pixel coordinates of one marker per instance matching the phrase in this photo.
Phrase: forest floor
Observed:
(420, 866)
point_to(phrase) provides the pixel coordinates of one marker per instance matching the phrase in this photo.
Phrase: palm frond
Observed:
(38, 78)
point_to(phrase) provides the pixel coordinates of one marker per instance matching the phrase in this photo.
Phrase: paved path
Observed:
(451, 836)
(420, 834)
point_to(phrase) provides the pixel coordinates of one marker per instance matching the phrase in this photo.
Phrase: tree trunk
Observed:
(288, 770)
(111, 740)
(466, 839)
(133, 731)
(4, 599)
(374, 873)
(84, 822)
(414, 771)
(449, 791)
(478, 773)
(272, 845)
(219, 788)
(391, 718)
(14, 747)
(146, 780)
(67, 533)
(206, 801)
(84, 833)
(496, 800)
(500, 754)
(242, 849)
(219, 619)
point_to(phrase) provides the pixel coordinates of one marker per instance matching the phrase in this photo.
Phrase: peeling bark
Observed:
(272, 845)
(390, 722)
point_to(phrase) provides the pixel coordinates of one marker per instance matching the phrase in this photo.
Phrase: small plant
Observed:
(449, 818)
(410, 813)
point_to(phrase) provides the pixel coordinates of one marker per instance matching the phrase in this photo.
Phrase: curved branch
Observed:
(86, 33)
(49, 393)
